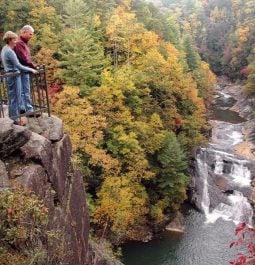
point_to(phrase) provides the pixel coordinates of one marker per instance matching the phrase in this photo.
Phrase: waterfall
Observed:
(241, 174)
(236, 208)
(239, 210)
(222, 181)
(218, 165)
(203, 171)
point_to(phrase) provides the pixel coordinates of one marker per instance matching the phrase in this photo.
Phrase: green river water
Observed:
(202, 244)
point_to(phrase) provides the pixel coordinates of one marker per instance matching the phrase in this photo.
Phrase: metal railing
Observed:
(38, 93)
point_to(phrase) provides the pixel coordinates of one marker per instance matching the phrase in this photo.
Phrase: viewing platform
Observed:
(38, 93)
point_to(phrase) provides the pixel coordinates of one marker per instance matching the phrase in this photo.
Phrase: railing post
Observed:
(1, 98)
(46, 89)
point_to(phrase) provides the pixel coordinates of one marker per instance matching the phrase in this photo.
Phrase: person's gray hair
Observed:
(9, 35)
(27, 28)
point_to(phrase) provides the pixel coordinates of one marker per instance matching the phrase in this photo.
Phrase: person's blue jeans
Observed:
(14, 96)
(26, 103)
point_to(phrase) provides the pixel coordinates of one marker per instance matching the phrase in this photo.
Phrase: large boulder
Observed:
(39, 159)
(49, 127)
(12, 137)
(33, 178)
(177, 224)
(39, 150)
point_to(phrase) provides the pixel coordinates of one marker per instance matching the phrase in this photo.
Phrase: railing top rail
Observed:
(14, 73)
(38, 92)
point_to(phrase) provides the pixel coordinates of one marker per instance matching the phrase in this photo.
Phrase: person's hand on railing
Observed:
(34, 71)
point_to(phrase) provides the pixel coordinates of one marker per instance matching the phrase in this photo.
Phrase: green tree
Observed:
(171, 172)
(76, 13)
(192, 56)
(82, 59)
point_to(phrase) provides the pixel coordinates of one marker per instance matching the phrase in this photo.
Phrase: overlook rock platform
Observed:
(38, 157)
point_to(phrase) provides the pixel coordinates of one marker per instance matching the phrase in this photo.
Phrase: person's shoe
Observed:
(21, 121)
(34, 115)
(22, 111)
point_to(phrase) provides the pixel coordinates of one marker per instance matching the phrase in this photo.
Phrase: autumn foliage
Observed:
(130, 87)
(246, 241)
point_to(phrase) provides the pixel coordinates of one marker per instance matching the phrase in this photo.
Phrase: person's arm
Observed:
(13, 58)
(23, 54)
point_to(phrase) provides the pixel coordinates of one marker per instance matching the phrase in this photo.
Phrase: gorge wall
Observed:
(39, 158)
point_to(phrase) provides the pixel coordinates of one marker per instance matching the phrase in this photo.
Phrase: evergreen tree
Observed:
(76, 13)
(82, 59)
(173, 31)
(171, 171)
(192, 56)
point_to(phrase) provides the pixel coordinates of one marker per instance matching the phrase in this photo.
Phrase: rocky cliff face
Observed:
(38, 158)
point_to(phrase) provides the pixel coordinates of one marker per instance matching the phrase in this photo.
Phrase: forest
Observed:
(132, 81)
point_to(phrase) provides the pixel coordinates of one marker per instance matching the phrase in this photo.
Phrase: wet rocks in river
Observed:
(177, 224)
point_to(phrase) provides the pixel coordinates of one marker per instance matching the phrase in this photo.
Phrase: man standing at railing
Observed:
(23, 53)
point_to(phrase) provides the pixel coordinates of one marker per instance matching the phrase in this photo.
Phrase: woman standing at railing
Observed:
(12, 65)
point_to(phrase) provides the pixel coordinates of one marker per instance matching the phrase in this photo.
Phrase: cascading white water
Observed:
(241, 174)
(237, 208)
(203, 171)
(218, 165)
(225, 95)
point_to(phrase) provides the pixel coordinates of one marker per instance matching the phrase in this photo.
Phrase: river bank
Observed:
(244, 106)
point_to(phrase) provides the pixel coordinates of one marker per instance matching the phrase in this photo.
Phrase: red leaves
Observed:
(55, 88)
(240, 228)
(233, 244)
(246, 239)
(240, 261)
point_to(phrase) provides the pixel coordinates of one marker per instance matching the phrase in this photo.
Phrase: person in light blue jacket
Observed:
(12, 66)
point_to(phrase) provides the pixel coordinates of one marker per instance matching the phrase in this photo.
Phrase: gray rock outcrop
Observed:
(38, 158)
(42, 163)
(12, 137)
(177, 224)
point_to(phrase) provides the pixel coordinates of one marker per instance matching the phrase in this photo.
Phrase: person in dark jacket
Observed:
(23, 53)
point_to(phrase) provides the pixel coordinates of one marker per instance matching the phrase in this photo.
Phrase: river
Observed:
(208, 235)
